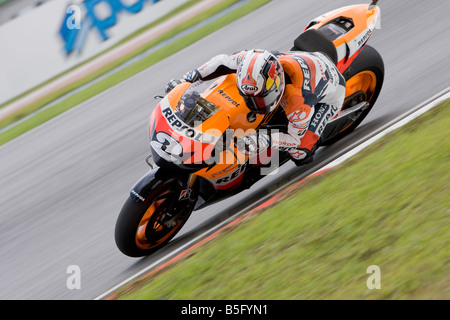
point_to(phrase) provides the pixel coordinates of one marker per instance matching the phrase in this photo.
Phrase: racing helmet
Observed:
(260, 80)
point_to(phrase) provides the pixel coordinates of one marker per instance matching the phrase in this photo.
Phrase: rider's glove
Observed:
(253, 144)
(191, 76)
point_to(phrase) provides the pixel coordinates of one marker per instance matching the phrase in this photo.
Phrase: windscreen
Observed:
(193, 109)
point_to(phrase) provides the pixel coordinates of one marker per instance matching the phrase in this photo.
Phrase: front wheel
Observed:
(144, 227)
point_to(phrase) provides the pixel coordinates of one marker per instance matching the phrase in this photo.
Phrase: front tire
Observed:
(144, 227)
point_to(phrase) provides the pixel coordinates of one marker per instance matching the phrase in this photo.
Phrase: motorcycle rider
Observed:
(307, 85)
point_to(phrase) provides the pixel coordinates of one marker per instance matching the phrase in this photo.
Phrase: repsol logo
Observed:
(324, 122)
(228, 98)
(224, 180)
(179, 126)
(364, 38)
(99, 15)
(306, 73)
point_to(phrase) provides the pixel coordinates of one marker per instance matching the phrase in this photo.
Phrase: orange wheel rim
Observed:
(364, 81)
(148, 221)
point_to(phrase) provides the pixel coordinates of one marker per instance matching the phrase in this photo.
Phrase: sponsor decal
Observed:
(227, 97)
(76, 26)
(235, 174)
(318, 116)
(137, 195)
(320, 119)
(306, 72)
(297, 116)
(298, 154)
(185, 194)
(185, 130)
(249, 88)
(273, 76)
(365, 38)
(273, 70)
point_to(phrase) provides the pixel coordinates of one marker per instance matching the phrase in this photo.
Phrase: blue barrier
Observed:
(74, 37)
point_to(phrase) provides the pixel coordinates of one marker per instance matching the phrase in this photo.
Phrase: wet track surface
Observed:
(64, 183)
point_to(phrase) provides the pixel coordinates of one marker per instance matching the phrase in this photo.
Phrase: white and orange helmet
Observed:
(260, 80)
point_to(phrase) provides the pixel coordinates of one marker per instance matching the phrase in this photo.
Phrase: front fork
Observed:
(156, 176)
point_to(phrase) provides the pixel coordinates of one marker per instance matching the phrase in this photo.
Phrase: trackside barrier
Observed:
(58, 35)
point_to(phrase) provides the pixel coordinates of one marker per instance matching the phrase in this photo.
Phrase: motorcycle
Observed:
(194, 160)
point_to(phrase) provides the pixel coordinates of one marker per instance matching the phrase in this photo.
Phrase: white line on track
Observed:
(391, 126)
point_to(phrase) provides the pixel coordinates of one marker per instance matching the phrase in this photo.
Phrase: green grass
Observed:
(388, 206)
(125, 73)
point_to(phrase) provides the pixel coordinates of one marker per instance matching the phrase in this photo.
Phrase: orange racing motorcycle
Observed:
(194, 161)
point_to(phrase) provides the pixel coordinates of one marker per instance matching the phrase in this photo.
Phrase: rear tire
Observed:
(364, 78)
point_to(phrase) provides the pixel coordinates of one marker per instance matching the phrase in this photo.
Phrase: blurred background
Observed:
(11, 9)
(53, 36)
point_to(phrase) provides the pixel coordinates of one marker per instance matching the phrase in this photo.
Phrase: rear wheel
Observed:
(144, 227)
(364, 80)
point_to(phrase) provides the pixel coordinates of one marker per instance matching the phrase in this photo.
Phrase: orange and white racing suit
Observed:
(314, 94)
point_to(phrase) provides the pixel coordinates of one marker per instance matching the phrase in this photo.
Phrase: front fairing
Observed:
(175, 143)
(207, 148)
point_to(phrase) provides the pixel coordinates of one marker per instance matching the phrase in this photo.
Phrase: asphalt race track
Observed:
(64, 183)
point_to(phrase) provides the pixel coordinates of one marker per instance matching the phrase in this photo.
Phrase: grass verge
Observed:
(127, 72)
(388, 206)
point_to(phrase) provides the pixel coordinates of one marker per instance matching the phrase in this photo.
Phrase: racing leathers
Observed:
(314, 94)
